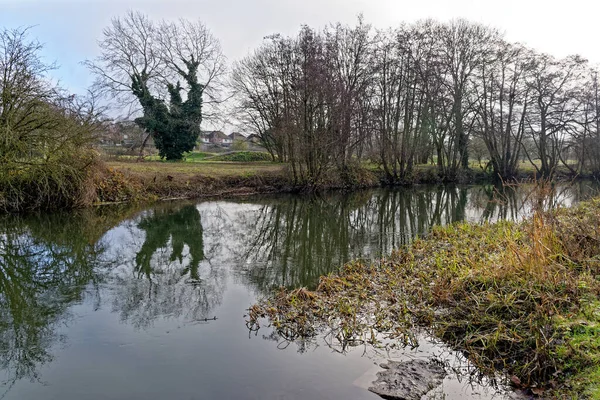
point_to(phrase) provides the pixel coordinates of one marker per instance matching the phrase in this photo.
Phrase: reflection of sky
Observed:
(136, 338)
(236, 243)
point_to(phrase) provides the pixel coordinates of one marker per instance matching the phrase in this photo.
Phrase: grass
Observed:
(201, 156)
(516, 297)
(206, 168)
(244, 156)
(129, 181)
(153, 180)
(198, 156)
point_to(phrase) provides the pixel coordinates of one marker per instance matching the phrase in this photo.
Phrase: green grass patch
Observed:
(182, 170)
(243, 156)
(198, 156)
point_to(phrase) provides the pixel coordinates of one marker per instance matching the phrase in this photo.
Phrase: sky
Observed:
(70, 29)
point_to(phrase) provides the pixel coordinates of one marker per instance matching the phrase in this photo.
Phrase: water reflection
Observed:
(46, 264)
(178, 263)
(170, 276)
(182, 228)
(296, 240)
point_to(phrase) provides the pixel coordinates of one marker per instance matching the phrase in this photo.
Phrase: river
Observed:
(126, 303)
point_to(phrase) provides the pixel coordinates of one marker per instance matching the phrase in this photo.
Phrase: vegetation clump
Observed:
(244, 156)
(45, 135)
(519, 297)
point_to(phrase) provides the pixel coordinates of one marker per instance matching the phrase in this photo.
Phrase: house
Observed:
(237, 136)
(121, 133)
(215, 137)
(253, 138)
(203, 138)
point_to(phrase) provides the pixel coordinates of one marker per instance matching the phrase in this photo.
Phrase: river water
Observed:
(126, 303)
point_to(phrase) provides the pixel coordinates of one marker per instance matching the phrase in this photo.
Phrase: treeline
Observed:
(324, 101)
(427, 92)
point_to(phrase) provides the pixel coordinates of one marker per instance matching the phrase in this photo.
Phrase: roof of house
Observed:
(237, 135)
(215, 134)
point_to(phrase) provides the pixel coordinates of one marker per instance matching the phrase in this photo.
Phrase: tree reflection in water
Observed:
(46, 265)
(50, 262)
(297, 240)
(170, 276)
(174, 261)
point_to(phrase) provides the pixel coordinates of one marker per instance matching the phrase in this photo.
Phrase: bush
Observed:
(113, 186)
(244, 156)
(239, 145)
(45, 135)
(198, 156)
(44, 186)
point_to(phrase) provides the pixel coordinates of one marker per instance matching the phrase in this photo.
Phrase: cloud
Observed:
(70, 29)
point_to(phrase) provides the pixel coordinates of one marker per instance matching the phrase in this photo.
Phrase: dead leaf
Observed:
(515, 380)
(537, 391)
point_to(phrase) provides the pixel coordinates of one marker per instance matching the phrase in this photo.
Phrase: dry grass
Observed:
(522, 298)
(142, 181)
(209, 169)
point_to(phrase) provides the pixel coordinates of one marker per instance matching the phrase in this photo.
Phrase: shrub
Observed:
(244, 156)
(45, 135)
(239, 145)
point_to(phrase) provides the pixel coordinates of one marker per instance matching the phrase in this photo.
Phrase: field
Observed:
(216, 169)
(129, 180)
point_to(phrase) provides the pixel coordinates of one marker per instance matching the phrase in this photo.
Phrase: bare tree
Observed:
(45, 133)
(588, 142)
(262, 82)
(463, 47)
(502, 104)
(424, 91)
(350, 59)
(551, 119)
(24, 95)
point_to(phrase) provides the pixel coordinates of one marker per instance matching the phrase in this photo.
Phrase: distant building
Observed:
(253, 138)
(215, 137)
(203, 138)
(237, 136)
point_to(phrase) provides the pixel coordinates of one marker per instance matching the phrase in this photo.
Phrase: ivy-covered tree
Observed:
(162, 71)
(175, 129)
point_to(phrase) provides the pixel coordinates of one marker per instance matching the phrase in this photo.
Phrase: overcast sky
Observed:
(70, 28)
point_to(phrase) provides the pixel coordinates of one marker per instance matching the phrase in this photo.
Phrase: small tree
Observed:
(239, 145)
(45, 135)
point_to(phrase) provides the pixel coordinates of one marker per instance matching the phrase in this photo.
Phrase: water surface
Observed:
(123, 303)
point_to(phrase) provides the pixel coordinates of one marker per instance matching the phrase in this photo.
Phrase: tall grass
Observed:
(45, 186)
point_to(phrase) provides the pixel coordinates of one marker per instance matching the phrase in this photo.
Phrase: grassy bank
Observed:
(224, 175)
(201, 175)
(206, 175)
(154, 180)
(517, 297)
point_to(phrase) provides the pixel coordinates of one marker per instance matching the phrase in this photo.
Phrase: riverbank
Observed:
(145, 182)
(152, 181)
(130, 181)
(521, 298)
(148, 181)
